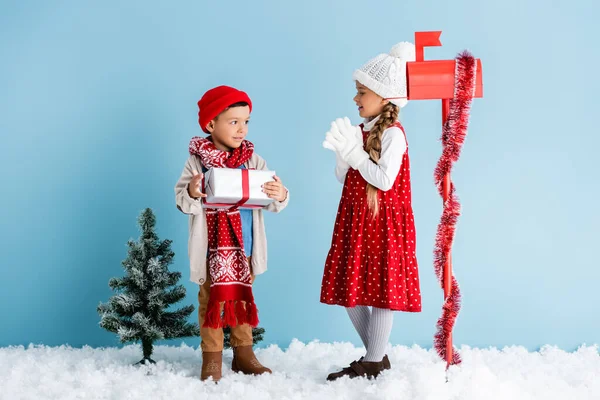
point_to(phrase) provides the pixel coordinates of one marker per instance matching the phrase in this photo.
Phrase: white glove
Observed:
(341, 166)
(334, 140)
(347, 141)
(329, 145)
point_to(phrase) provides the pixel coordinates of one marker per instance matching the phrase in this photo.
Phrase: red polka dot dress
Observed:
(372, 262)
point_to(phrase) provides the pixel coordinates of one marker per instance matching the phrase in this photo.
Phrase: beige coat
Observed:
(198, 235)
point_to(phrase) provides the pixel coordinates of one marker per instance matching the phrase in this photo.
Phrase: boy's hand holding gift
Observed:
(194, 186)
(347, 141)
(275, 189)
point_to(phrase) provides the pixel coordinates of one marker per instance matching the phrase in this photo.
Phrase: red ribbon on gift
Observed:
(245, 188)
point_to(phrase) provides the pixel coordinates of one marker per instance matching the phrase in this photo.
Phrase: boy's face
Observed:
(229, 129)
(369, 103)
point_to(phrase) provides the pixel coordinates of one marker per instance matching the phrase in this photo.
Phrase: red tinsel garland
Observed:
(453, 137)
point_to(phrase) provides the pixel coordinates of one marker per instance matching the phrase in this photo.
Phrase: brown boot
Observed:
(245, 361)
(359, 368)
(211, 365)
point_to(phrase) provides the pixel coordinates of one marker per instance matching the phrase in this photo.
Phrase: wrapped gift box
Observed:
(228, 187)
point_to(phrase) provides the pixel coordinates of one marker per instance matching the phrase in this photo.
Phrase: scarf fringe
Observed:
(252, 314)
(234, 314)
(240, 313)
(229, 318)
(212, 318)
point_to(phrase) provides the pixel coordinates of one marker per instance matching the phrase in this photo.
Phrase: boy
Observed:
(226, 248)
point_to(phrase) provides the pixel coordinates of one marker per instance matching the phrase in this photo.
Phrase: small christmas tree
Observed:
(257, 336)
(138, 312)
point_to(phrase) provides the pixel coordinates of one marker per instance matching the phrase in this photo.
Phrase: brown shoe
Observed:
(386, 362)
(367, 368)
(359, 368)
(349, 372)
(245, 361)
(211, 365)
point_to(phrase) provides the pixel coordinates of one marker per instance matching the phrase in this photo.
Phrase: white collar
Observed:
(368, 125)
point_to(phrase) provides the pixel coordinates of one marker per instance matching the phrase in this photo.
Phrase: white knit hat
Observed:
(386, 73)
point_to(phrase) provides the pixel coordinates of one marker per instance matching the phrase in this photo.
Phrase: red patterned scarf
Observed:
(231, 281)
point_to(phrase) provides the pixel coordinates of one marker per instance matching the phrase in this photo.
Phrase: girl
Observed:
(372, 260)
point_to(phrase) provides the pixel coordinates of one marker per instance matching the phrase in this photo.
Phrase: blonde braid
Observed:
(389, 115)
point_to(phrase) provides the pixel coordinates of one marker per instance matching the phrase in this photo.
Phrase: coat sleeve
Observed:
(383, 173)
(185, 203)
(275, 206)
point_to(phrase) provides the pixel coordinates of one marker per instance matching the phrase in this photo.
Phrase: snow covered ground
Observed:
(39, 372)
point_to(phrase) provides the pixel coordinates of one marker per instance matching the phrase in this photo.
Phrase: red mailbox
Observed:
(434, 80)
(455, 83)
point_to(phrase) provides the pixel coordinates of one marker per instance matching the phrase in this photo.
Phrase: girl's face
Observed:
(230, 128)
(369, 103)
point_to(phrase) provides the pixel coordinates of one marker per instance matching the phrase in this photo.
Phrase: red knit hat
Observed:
(216, 100)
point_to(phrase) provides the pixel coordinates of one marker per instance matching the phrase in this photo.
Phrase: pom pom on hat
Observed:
(404, 50)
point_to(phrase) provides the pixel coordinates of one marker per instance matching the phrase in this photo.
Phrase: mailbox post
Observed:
(437, 80)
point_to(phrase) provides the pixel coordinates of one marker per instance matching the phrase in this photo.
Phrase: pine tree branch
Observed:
(147, 327)
(157, 273)
(110, 322)
(127, 334)
(138, 277)
(181, 329)
(174, 295)
(167, 258)
(173, 278)
(155, 300)
(165, 247)
(124, 305)
(172, 317)
(119, 283)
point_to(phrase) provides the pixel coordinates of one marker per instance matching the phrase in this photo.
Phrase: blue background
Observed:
(98, 103)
